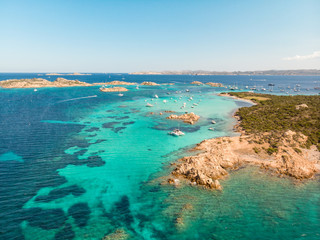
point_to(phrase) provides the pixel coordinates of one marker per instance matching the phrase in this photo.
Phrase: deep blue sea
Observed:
(77, 163)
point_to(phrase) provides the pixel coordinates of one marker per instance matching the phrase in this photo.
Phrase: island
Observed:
(113, 89)
(189, 118)
(69, 74)
(280, 134)
(300, 72)
(212, 84)
(197, 82)
(40, 83)
(120, 83)
(150, 84)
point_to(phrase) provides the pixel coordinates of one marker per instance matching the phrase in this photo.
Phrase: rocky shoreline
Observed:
(219, 156)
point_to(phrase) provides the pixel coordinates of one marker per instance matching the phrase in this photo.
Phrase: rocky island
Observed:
(150, 84)
(284, 142)
(197, 82)
(189, 118)
(40, 82)
(113, 89)
(212, 84)
(69, 74)
(119, 83)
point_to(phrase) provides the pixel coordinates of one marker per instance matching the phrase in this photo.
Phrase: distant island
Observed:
(69, 74)
(301, 72)
(40, 82)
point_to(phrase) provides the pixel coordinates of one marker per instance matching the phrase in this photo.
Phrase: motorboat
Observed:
(149, 105)
(120, 94)
(211, 129)
(176, 132)
(156, 96)
(213, 122)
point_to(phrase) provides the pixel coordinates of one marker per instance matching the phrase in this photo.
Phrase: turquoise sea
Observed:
(77, 163)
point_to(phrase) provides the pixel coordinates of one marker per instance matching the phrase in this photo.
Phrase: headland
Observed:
(279, 134)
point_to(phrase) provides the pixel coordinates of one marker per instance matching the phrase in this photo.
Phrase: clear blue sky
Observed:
(142, 35)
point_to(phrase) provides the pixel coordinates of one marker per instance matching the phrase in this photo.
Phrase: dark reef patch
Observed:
(121, 118)
(100, 141)
(65, 234)
(40, 218)
(118, 129)
(120, 213)
(93, 129)
(60, 193)
(81, 213)
(94, 161)
(93, 135)
(127, 123)
(109, 124)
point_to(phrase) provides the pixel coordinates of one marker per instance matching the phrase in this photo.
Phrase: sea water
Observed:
(79, 167)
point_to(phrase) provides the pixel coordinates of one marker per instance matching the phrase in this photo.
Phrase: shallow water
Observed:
(80, 168)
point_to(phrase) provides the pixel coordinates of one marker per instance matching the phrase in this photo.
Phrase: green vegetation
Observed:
(277, 114)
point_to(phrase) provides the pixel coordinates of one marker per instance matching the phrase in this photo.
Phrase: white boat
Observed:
(137, 87)
(211, 129)
(35, 90)
(149, 105)
(156, 96)
(120, 94)
(187, 90)
(176, 132)
(213, 122)
(164, 101)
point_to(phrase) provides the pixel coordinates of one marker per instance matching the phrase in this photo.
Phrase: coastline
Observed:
(219, 156)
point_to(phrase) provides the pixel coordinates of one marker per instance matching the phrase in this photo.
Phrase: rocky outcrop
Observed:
(40, 82)
(118, 234)
(197, 83)
(212, 84)
(222, 154)
(150, 84)
(189, 118)
(301, 106)
(119, 83)
(114, 89)
(62, 82)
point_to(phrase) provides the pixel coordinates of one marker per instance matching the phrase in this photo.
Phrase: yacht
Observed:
(176, 132)
(149, 105)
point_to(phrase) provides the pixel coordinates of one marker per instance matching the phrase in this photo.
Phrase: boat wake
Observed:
(73, 99)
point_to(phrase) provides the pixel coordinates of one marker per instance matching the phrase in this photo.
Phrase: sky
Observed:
(158, 35)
